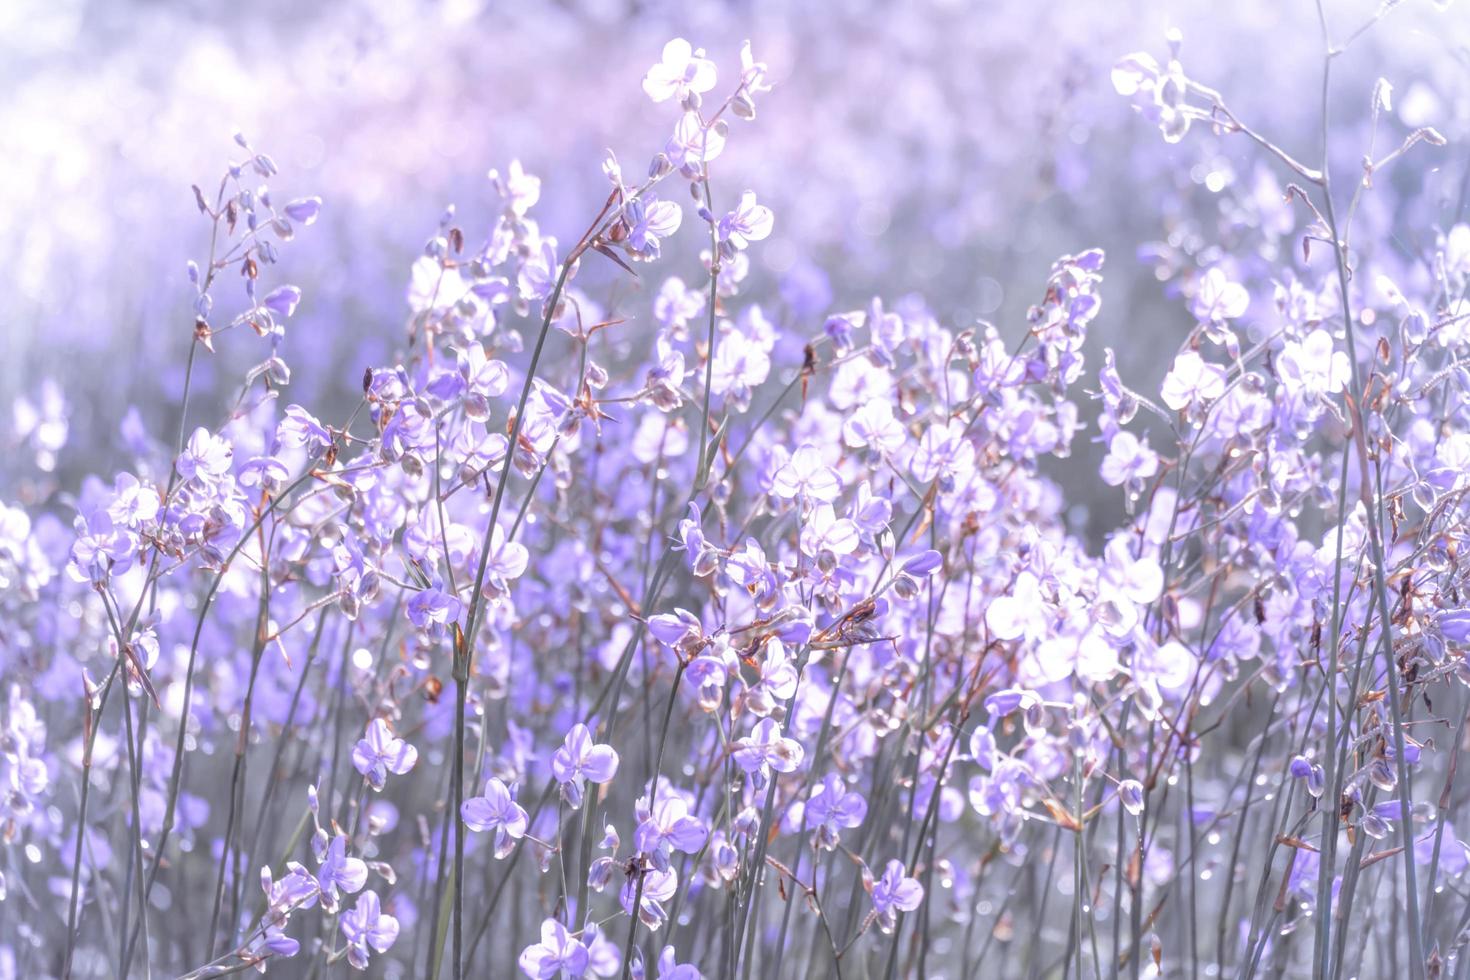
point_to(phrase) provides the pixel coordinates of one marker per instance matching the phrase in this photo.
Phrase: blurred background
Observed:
(938, 147)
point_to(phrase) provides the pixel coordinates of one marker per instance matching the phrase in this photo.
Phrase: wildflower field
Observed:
(735, 489)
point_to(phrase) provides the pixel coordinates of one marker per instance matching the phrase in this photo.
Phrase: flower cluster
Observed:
(629, 621)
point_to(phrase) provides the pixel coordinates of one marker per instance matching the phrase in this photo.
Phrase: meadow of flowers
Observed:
(998, 514)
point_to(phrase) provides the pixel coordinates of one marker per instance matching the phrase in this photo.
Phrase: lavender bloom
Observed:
(750, 222)
(100, 549)
(495, 809)
(1313, 367)
(826, 532)
(1454, 625)
(282, 301)
(339, 874)
(893, 893)
(766, 749)
(680, 629)
(942, 454)
(693, 144)
(681, 70)
(1217, 298)
(558, 954)
(668, 826)
(649, 223)
(832, 809)
(520, 189)
(432, 609)
(1192, 382)
(1129, 460)
(806, 476)
(379, 752)
(367, 925)
(740, 367)
(676, 304)
(659, 885)
(298, 890)
(669, 967)
(768, 509)
(303, 210)
(506, 562)
(874, 425)
(579, 760)
(205, 457)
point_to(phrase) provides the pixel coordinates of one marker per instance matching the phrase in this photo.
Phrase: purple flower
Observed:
(1217, 298)
(1454, 625)
(134, 502)
(580, 759)
(367, 925)
(778, 674)
(378, 753)
(432, 609)
(668, 826)
(749, 568)
(870, 512)
(1121, 405)
(676, 304)
(680, 629)
(825, 532)
(205, 457)
(1303, 768)
(893, 893)
(806, 475)
(339, 874)
(520, 189)
(476, 378)
(496, 810)
(659, 885)
(538, 273)
(874, 426)
(749, 222)
(1191, 382)
(739, 368)
(506, 562)
(298, 890)
(859, 381)
(1165, 671)
(943, 453)
(557, 954)
(303, 210)
(1022, 613)
(1011, 700)
(1126, 584)
(1313, 366)
(765, 749)
(982, 747)
(832, 809)
(1129, 459)
(101, 548)
(649, 223)
(282, 300)
(669, 968)
(693, 144)
(1130, 794)
(300, 428)
(1138, 71)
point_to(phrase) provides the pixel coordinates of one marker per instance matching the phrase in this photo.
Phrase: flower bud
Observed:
(1130, 794)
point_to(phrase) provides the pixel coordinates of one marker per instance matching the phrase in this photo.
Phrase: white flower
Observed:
(682, 70)
(1192, 380)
